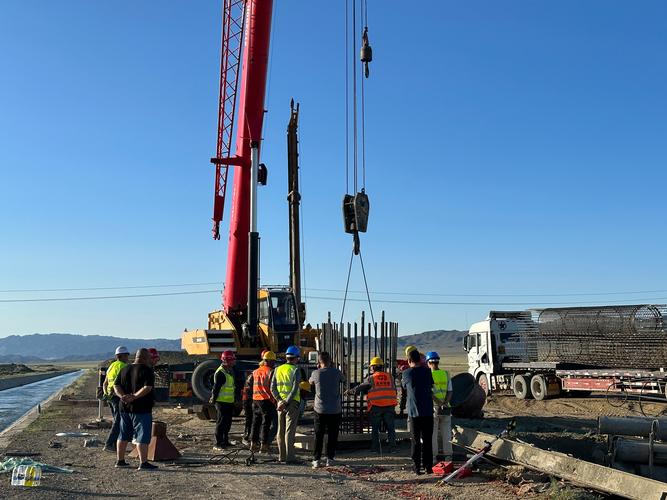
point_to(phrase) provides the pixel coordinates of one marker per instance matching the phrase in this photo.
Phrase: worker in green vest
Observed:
(442, 415)
(222, 395)
(114, 368)
(285, 389)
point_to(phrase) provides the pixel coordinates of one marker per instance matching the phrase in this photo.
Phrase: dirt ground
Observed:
(360, 475)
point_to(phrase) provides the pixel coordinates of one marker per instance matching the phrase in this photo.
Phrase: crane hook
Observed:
(366, 53)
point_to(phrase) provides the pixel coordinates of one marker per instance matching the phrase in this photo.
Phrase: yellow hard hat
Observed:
(409, 349)
(269, 356)
(304, 386)
(377, 361)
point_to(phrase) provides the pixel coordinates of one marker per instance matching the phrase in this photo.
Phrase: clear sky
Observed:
(513, 148)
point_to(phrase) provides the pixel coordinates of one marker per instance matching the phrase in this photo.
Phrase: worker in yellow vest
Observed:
(222, 395)
(442, 419)
(264, 406)
(122, 357)
(380, 393)
(285, 390)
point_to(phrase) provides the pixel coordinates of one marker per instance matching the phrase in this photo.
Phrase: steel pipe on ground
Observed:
(632, 426)
(638, 452)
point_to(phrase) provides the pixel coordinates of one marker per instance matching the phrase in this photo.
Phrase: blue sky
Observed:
(513, 148)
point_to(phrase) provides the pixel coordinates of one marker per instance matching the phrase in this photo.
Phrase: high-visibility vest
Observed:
(440, 383)
(285, 381)
(382, 392)
(226, 394)
(261, 384)
(112, 374)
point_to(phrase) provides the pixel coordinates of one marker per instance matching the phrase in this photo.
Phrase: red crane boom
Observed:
(246, 34)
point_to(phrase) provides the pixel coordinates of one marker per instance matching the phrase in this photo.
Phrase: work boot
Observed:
(254, 446)
(147, 466)
(122, 463)
(245, 442)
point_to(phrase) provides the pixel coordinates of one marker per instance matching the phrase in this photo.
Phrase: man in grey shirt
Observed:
(326, 381)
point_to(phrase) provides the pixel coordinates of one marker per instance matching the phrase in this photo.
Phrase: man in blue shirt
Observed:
(418, 383)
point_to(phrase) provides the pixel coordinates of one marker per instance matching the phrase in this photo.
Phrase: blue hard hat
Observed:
(293, 351)
(432, 355)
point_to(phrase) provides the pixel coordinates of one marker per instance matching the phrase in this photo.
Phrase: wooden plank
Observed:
(577, 471)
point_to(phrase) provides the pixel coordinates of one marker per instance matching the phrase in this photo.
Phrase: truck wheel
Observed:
(538, 386)
(521, 387)
(202, 379)
(483, 382)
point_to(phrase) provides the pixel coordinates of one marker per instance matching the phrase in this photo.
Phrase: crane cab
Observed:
(279, 327)
(279, 322)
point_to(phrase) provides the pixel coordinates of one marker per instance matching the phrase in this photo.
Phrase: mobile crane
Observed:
(251, 318)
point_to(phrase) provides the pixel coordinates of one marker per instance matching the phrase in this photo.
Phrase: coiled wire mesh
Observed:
(628, 336)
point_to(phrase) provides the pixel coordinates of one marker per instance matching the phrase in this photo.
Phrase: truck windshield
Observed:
(283, 311)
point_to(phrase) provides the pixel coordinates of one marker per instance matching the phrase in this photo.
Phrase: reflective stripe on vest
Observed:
(112, 374)
(382, 391)
(261, 384)
(440, 383)
(226, 394)
(285, 381)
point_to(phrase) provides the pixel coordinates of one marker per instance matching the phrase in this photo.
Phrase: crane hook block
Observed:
(262, 175)
(366, 53)
(355, 212)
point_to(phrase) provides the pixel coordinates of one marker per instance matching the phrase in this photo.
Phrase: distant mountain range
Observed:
(39, 347)
(441, 341)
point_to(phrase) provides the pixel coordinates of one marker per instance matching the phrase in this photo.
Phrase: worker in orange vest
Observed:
(380, 393)
(264, 406)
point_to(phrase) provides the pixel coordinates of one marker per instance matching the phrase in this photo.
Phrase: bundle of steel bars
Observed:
(352, 346)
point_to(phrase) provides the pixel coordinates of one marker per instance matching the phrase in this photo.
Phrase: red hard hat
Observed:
(228, 356)
(154, 354)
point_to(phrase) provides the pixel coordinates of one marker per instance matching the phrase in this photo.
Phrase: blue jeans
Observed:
(115, 426)
(136, 425)
(379, 414)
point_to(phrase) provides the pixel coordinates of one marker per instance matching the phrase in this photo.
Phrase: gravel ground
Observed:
(360, 474)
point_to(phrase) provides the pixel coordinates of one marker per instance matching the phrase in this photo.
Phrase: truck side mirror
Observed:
(465, 344)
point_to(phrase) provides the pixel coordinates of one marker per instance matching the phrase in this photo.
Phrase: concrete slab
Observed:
(577, 471)
(307, 441)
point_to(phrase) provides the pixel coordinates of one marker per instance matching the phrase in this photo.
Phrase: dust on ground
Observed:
(360, 475)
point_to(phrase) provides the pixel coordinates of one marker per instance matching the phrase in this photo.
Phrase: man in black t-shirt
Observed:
(418, 383)
(134, 386)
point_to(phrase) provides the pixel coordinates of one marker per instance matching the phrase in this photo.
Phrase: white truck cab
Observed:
(491, 342)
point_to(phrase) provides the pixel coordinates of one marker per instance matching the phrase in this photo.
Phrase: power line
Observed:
(434, 303)
(591, 294)
(108, 287)
(336, 299)
(105, 297)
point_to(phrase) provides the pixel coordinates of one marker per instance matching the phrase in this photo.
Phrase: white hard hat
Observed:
(121, 349)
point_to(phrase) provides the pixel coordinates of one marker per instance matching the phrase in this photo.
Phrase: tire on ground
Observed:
(521, 387)
(202, 379)
(538, 387)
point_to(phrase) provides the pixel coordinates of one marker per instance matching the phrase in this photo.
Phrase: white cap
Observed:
(121, 349)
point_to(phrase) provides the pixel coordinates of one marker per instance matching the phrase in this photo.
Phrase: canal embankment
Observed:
(20, 406)
(20, 380)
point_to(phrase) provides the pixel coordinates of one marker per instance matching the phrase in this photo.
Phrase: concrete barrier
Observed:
(11, 382)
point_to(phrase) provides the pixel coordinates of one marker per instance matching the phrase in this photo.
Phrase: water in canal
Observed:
(16, 402)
